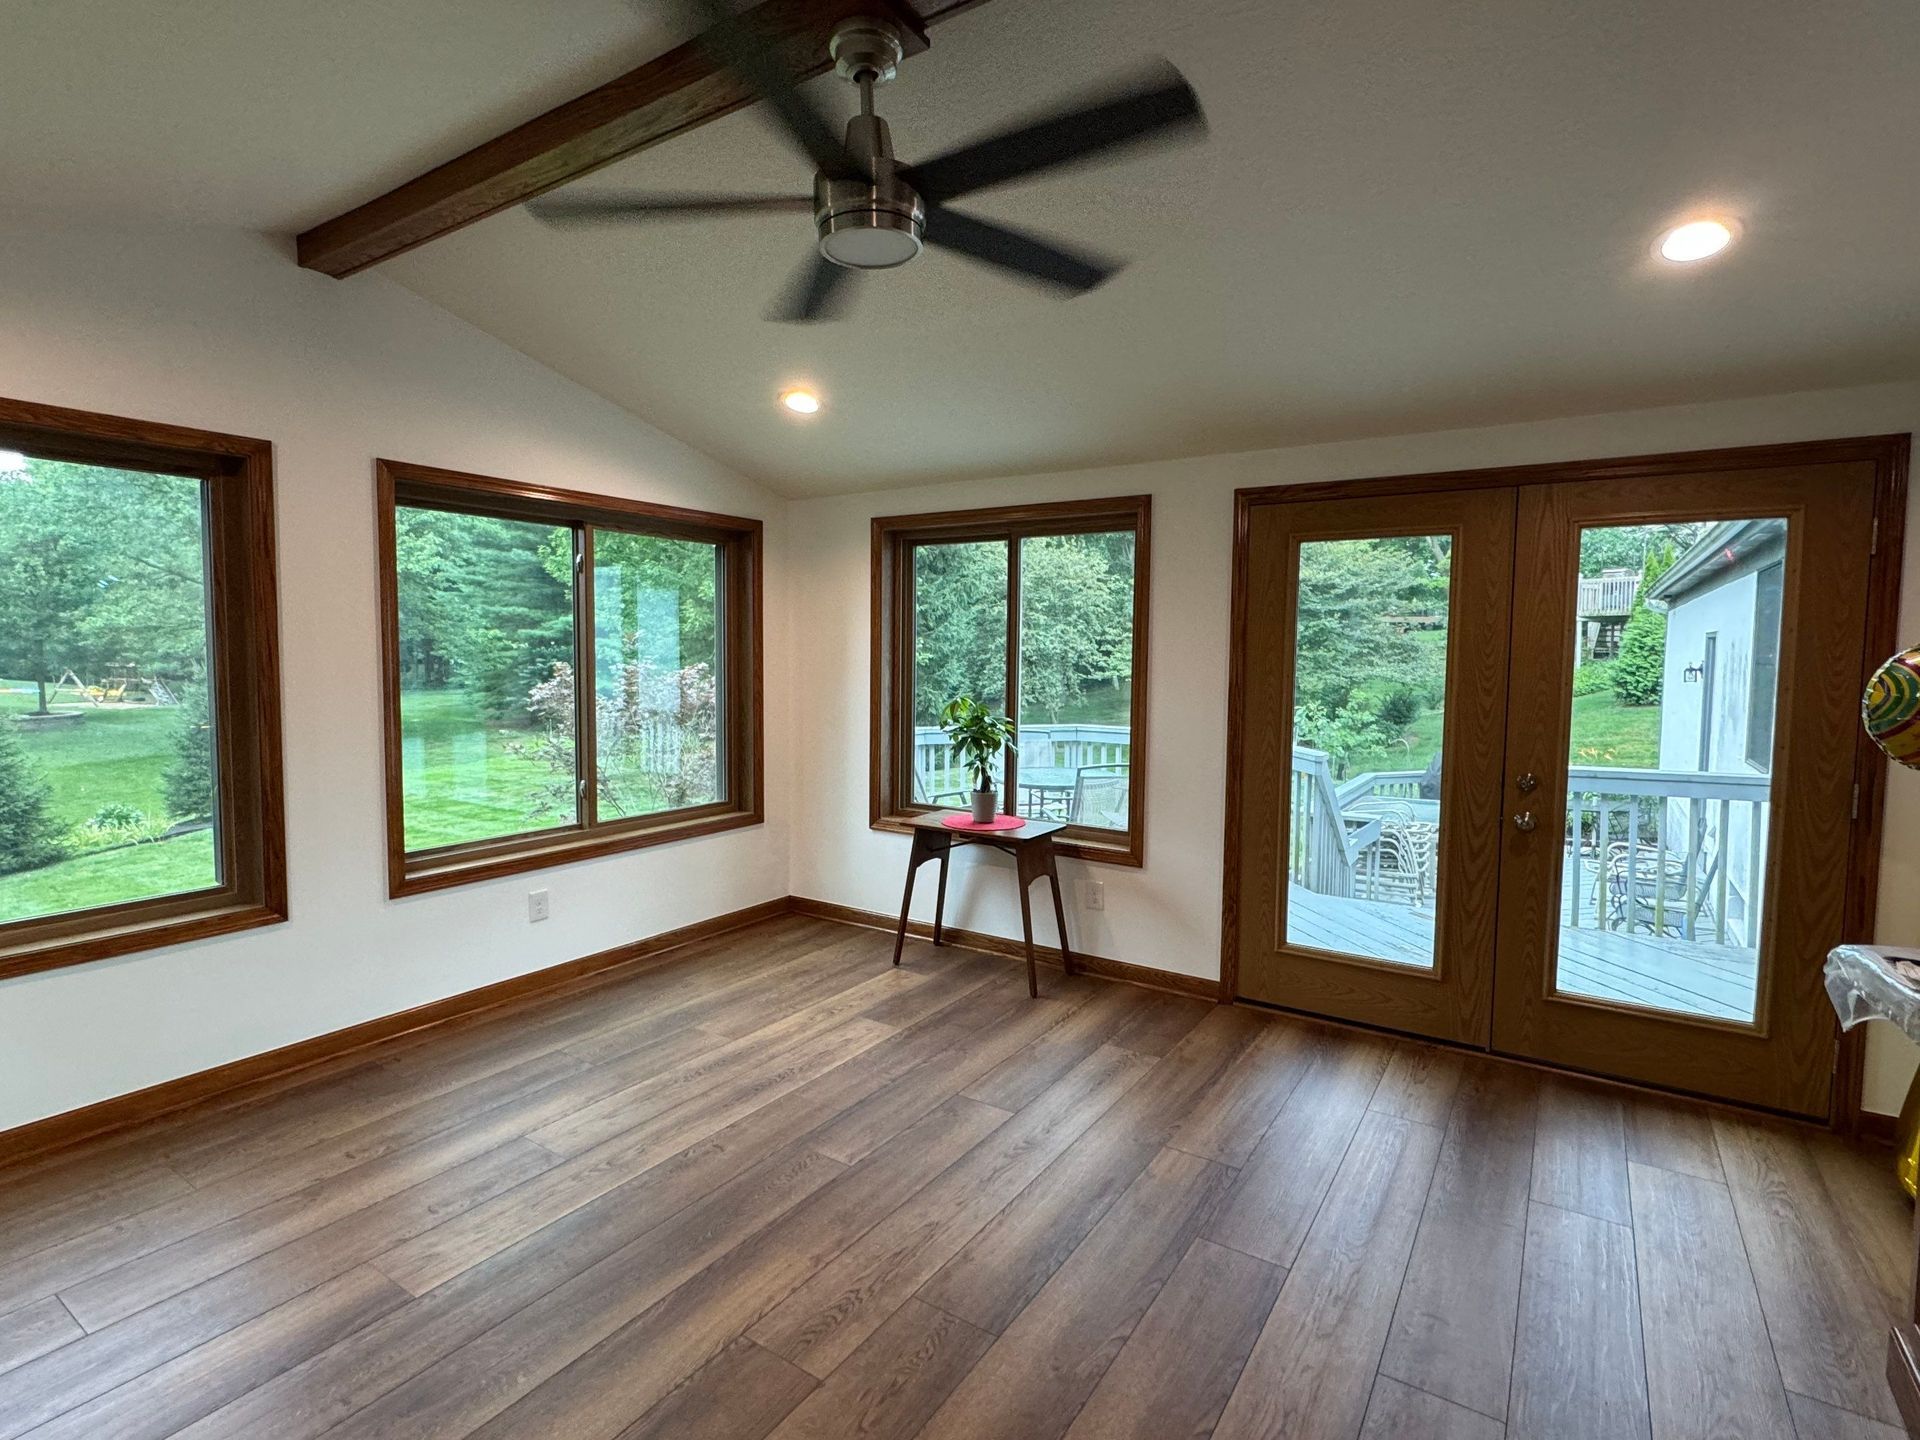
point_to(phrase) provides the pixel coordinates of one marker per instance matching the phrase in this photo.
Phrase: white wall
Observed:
(223, 332)
(1168, 914)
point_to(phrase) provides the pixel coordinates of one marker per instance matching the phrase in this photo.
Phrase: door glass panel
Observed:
(1663, 868)
(1369, 696)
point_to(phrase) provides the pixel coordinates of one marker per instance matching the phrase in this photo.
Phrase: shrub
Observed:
(1400, 709)
(1593, 677)
(114, 825)
(28, 836)
(1639, 673)
(188, 781)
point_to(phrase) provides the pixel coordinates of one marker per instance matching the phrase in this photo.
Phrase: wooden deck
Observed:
(1693, 977)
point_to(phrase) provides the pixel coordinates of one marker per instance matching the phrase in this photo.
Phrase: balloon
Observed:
(1891, 708)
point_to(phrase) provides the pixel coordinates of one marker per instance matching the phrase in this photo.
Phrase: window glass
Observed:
(959, 648)
(656, 621)
(108, 781)
(487, 718)
(1076, 678)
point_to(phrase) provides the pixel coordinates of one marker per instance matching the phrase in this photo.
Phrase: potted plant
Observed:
(978, 736)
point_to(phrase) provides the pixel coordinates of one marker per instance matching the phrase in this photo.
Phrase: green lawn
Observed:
(1605, 732)
(110, 877)
(110, 757)
(467, 779)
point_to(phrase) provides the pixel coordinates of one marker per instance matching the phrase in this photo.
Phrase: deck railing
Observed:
(1608, 594)
(1052, 747)
(1670, 852)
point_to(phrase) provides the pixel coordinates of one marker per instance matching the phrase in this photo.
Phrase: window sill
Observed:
(28, 956)
(1116, 851)
(442, 870)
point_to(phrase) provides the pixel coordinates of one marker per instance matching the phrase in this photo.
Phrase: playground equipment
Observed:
(124, 685)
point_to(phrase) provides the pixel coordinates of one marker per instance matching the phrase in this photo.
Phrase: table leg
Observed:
(1059, 911)
(925, 847)
(940, 897)
(1026, 928)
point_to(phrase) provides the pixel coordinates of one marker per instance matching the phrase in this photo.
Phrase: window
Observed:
(140, 793)
(1038, 611)
(1763, 672)
(496, 598)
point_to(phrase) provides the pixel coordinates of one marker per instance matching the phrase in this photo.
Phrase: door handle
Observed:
(1524, 820)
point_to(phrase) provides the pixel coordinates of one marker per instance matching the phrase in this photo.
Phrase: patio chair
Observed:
(943, 797)
(1649, 892)
(1397, 864)
(1100, 795)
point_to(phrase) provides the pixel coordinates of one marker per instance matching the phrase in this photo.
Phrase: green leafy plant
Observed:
(1638, 675)
(977, 736)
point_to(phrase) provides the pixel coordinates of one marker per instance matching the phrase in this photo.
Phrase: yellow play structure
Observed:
(126, 684)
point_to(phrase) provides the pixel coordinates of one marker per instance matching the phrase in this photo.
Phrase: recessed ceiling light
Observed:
(1696, 240)
(12, 462)
(801, 402)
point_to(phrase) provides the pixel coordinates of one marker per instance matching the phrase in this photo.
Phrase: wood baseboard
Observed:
(124, 1112)
(1877, 1129)
(1903, 1372)
(1147, 976)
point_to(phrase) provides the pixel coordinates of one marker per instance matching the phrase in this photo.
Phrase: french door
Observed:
(1564, 768)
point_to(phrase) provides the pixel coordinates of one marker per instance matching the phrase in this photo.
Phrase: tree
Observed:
(47, 584)
(1638, 676)
(28, 834)
(100, 567)
(188, 782)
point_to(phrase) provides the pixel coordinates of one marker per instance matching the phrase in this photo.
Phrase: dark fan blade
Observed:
(1024, 254)
(819, 290)
(1159, 107)
(748, 57)
(588, 209)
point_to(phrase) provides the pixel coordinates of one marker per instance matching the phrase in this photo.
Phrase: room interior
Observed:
(1374, 1016)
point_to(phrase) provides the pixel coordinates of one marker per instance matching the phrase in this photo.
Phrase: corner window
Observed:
(1036, 611)
(140, 800)
(498, 599)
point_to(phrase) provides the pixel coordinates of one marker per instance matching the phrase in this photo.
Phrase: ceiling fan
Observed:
(871, 211)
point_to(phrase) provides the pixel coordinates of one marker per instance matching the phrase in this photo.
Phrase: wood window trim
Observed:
(399, 483)
(1890, 456)
(244, 643)
(890, 723)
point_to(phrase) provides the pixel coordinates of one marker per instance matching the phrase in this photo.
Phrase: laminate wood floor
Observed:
(774, 1187)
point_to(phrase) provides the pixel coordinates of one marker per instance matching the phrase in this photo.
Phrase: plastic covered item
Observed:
(1865, 984)
(1882, 982)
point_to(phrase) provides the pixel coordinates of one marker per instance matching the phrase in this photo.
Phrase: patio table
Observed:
(1046, 783)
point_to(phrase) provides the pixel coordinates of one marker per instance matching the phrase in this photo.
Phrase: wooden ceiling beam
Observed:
(664, 97)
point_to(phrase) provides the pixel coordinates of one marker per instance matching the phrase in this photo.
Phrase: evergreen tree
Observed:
(188, 782)
(1639, 674)
(28, 835)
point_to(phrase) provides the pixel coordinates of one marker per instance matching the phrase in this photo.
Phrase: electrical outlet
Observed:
(1096, 894)
(537, 906)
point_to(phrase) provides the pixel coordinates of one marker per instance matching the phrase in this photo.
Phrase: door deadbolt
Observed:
(1526, 784)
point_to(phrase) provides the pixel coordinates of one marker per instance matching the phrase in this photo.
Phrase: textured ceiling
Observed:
(1408, 216)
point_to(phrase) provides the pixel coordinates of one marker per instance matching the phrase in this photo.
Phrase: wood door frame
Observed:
(1889, 456)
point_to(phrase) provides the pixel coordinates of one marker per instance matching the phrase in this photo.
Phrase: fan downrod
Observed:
(873, 223)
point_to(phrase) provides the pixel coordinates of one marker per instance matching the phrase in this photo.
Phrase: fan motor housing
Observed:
(871, 224)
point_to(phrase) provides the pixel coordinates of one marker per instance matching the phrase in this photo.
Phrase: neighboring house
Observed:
(1718, 692)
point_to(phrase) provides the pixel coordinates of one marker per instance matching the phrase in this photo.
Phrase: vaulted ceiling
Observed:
(1407, 217)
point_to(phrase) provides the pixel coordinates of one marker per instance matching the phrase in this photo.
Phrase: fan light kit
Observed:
(800, 402)
(869, 211)
(1696, 240)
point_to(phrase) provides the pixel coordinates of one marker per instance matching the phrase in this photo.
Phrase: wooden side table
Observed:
(1032, 849)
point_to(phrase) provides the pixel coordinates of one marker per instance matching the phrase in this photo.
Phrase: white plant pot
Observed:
(986, 804)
